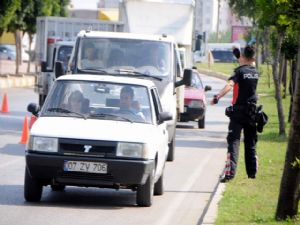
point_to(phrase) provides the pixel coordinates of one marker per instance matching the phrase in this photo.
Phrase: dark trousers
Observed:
(236, 125)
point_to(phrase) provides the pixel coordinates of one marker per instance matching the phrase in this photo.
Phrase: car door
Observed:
(162, 133)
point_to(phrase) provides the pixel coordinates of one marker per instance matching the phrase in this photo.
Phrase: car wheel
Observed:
(159, 185)
(58, 187)
(201, 123)
(32, 188)
(144, 194)
(171, 153)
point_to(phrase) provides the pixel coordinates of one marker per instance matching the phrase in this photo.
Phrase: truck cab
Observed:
(57, 51)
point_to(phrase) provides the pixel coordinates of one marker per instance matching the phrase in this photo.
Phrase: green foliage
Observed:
(8, 9)
(21, 15)
(290, 45)
(243, 7)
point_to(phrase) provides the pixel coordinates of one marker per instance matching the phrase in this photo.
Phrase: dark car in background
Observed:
(195, 101)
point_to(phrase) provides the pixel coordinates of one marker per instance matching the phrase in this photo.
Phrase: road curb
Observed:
(212, 210)
(21, 80)
(219, 75)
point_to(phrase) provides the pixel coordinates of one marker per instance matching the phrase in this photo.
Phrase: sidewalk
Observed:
(9, 79)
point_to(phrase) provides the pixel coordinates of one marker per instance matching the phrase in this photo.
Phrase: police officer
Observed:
(243, 82)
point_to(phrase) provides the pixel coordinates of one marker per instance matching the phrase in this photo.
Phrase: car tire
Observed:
(32, 188)
(159, 185)
(201, 123)
(144, 194)
(171, 153)
(58, 187)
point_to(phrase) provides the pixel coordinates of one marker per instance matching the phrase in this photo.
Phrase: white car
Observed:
(85, 136)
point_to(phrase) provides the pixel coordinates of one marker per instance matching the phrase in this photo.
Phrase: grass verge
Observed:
(246, 201)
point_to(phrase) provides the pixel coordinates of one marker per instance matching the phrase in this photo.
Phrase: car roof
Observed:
(110, 78)
(166, 38)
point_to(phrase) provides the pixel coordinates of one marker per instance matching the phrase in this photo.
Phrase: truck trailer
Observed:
(54, 42)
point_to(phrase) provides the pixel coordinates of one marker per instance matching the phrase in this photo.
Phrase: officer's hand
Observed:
(215, 100)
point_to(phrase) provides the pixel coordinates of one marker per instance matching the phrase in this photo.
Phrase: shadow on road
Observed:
(72, 197)
(13, 149)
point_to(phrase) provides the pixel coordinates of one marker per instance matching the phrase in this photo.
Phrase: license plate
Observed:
(86, 167)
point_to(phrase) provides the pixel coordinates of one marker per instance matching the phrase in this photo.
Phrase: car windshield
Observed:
(99, 101)
(115, 55)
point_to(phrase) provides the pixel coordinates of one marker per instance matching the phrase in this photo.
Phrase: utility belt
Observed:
(249, 110)
(254, 114)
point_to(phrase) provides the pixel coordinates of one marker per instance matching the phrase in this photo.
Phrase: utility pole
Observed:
(218, 20)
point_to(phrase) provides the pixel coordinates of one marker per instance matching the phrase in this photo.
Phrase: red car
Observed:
(195, 101)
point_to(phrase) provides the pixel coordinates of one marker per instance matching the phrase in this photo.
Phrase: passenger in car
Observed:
(76, 102)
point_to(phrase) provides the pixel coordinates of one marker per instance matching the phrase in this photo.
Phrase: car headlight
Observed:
(132, 150)
(43, 144)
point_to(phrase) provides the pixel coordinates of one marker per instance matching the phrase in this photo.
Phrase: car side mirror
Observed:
(59, 69)
(44, 66)
(187, 78)
(164, 116)
(33, 108)
(207, 88)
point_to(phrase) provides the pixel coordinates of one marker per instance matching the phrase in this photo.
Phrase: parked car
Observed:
(195, 101)
(223, 56)
(7, 52)
(101, 142)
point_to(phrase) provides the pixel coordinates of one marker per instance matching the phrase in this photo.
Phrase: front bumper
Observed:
(191, 114)
(48, 169)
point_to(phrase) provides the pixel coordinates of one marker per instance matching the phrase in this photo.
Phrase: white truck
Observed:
(143, 51)
(54, 42)
(164, 17)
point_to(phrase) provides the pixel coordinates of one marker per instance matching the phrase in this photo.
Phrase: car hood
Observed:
(93, 129)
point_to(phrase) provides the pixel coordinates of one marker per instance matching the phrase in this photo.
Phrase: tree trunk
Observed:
(292, 87)
(283, 76)
(289, 189)
(29, 49)
(277, 83)
(18, 50)
(258, 53)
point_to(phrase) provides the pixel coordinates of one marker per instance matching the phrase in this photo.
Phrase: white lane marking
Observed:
(177, 201)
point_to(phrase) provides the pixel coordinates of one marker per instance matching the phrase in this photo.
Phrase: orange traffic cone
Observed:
(4, 108)
(25, 132)
(33, 118)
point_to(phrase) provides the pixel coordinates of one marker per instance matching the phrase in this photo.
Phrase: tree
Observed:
(289, 195)
(289, 189)
(7, 11)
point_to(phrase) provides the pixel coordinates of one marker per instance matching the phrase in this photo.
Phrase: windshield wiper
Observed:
(102, 115)
(63, 110)
(95, 69)
(137, 73)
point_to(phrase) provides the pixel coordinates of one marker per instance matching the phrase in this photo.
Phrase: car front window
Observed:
(99, 101)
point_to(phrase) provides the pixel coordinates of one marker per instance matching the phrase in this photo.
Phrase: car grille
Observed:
(87, 147)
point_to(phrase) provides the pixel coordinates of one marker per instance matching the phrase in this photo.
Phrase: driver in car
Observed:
(127, 102)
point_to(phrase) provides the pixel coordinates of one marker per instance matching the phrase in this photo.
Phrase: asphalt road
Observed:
(190, 180)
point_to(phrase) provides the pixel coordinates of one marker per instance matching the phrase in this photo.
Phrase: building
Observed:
(206, 17)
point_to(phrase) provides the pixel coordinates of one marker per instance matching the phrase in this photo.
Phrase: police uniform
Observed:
(245, 80)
